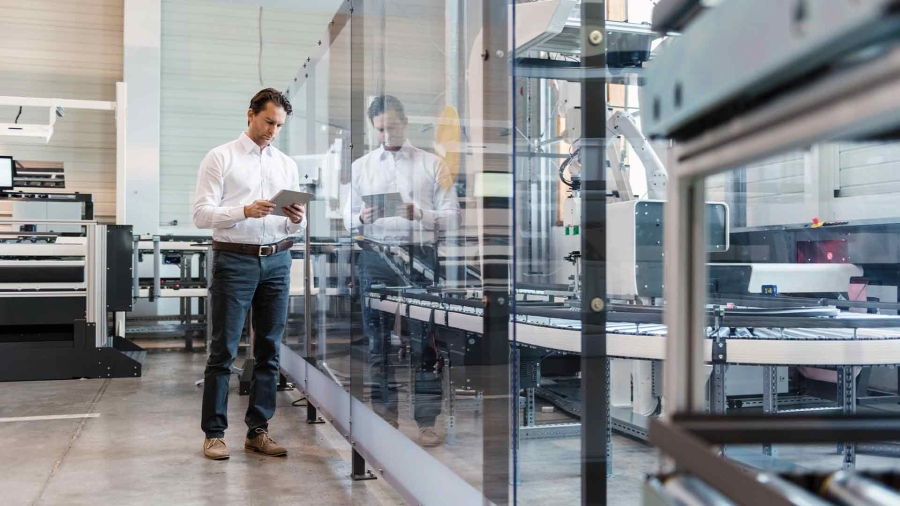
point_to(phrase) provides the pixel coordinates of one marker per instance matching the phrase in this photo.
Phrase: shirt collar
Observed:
(406, 150)
(250, 146)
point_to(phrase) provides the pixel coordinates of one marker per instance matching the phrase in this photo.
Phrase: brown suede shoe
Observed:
(262, 443)
(428, 438)
(215, 449)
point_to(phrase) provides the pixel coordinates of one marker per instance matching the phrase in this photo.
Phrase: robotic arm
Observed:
(621, 124)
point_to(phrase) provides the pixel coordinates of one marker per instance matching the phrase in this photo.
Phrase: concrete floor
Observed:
(145, 447)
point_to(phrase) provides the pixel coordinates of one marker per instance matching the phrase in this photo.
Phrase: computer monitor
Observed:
(7, 171)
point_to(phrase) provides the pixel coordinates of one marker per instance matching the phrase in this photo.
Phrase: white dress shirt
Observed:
(417, 176)
(236, 174)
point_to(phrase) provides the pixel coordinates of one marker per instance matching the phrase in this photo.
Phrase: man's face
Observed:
(264, 127)
(390, 129)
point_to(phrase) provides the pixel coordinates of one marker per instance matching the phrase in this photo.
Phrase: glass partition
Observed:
(458, 251)
(328, 95)
(548, 263)
(293, 142)
(418, 223)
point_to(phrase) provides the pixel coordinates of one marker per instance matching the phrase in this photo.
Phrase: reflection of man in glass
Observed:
(426, 204)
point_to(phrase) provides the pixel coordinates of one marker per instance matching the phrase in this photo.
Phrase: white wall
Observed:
(210, 70)
(775, 190)
(866, 185)
(65, 49)
(869, 168)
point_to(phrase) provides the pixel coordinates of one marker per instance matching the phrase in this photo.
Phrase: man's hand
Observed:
(367, 215)
(409, 211)
(294, 212)
(259, 209)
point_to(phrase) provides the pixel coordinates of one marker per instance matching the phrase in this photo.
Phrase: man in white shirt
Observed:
(430, 206)
(251, 266)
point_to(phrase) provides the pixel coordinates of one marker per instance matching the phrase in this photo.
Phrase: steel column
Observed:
(770, 401)
(847, 382)
(135, 275)
(717, 400)
(449, 404)
(595, 451)
(156, 267)
(495, 206)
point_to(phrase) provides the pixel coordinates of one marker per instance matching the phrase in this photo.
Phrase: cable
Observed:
(18, 115)
(566, 162)
(297, 404)
(259, 58)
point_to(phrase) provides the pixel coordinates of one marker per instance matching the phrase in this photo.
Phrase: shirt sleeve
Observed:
(208, 211)
(445, 212)
(445, 215)
(290, 227)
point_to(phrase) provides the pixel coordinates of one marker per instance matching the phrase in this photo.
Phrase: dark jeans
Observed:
(239, 282)
(378, 327)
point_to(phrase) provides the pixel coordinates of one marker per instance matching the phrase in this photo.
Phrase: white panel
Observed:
(66, 49)
(211, 67)
(620, 267)
(142, 63)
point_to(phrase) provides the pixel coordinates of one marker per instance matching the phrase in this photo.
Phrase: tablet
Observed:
(285, 198)
(386, 204)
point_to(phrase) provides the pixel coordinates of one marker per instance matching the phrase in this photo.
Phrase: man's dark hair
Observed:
(381, 103)
(259, 101)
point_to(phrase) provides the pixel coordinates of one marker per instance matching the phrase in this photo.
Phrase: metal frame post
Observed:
(595, 366)
(187, 303)
(847, 386)
(530, 407)
(449, 394)
(770, 401)
(358, 48)
(685, 281)
(717, 398)
(411, 381)
(608, 422)
(495, 206)
(90, 274)
(156, 268)
(135, 264)
(101, 316)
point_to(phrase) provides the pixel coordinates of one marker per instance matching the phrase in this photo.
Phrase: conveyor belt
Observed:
(805, 345)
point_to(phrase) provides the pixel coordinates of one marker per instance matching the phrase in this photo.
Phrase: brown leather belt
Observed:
(256, 250)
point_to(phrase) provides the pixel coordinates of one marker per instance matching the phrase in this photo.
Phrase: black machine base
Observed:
(47, 362)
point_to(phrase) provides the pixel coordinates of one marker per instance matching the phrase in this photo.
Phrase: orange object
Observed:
(447, 144)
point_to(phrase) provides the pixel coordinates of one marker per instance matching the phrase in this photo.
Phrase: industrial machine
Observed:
(53, 254)
(86, 279)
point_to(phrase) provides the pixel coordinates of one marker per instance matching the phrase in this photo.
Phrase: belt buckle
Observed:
(270, 248)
